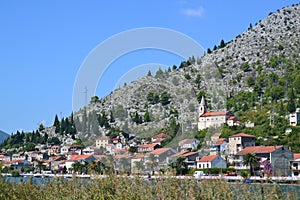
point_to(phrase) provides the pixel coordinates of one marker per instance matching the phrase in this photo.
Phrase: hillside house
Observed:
(295, 117)
(161, 157)
(214, 119)
(191, 158)
(161, 137)
(219, 146)
(279, 156)
(137, 164)
(102, 142)
(295, 165)
(147, 148)
(212, 161)
(188, 144)
(240, 141)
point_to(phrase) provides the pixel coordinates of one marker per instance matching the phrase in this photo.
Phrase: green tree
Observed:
(149, 73)
(147, 116)
(251, 160)
(94, 99)
(165, 98)
(222, 44)
(40, 166)
(209, 51)
(198, 80)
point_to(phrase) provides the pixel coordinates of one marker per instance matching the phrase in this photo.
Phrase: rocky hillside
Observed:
(169, 99)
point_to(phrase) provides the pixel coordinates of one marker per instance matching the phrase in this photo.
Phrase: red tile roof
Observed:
(221, 141)
(219, 113)
(147, 145)
(242, 135)
(161, 135)
(79, 157)
(208, 158)
(296, 156)
(186, 141)
(258, 150)
(159, 151)
(231, 118)
(180, 154)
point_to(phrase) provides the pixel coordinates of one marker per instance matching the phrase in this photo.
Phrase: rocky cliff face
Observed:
(224, 71)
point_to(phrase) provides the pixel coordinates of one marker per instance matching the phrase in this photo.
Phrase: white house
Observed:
(240, 141)
(188, 144)
(213, 161)
(102, 142)
(295, 165)
(214, 119)
(295, 117)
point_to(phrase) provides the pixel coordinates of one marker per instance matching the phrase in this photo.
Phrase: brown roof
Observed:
(258, 150)
(242, 135)
(221, 141)
(219, 113)
(296, 156)
(159, 151)
(208, 158)
(186, 141)
(161, 135)
(147, 145)
(182, 153)
(79, 157)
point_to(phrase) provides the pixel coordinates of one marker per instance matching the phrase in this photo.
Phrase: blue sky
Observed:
(44, 43)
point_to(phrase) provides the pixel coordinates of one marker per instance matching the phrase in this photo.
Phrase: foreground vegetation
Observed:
(139, 188)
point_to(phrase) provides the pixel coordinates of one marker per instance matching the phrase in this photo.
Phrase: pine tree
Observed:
(222, 44)
(147, 116)
(56, 124)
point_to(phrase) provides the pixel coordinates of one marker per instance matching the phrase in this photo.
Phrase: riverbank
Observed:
(116, 187)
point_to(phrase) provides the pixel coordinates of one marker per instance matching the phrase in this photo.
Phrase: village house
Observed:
(53, 162)
(18, 164)
(18, 156)
(137, 164)
(212, 161)
(123, 163)
(147, 148)
(188, 144)
(295, 165)
(79, 158)
(240, 141)
(35, 155)
(54, 150)
(161, 158)
(159, 137)
(295, 117)
(214, 119)
(90, 150)
(64, 150)
(219, 147)
(102, 142)
(4, 158)
(109, 148)
(190, 158)
(279, 157)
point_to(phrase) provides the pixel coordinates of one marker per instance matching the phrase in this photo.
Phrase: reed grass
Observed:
(123, 188)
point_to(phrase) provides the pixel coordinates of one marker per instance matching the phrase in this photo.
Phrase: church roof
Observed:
(219, 113)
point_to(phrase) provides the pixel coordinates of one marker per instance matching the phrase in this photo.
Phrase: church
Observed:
(214, 119)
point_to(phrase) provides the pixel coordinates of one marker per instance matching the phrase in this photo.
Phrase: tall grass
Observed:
(139, 188)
